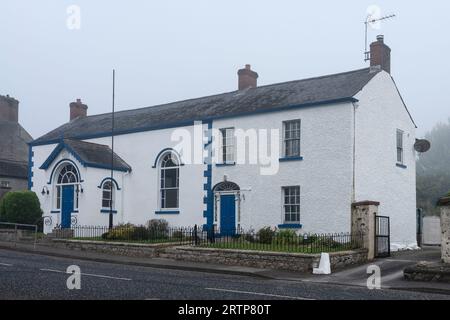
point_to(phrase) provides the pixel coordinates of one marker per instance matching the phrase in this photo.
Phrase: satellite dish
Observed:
(422, 145)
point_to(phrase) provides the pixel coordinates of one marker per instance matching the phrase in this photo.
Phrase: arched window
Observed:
(169, 181)
(67, 175)
(108, 191)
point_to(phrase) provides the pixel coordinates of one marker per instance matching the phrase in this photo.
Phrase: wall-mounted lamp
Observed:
(45, 191)
(79, 189)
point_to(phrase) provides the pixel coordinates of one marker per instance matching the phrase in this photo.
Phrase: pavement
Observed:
(354, 277)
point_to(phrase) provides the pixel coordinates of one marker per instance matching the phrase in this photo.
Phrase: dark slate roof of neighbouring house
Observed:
(13, 141)
(307, 92)
(89, 154)
(13, 169)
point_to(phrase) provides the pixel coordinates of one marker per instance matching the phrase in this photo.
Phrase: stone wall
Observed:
(267, 260)
(445, 229)
(123, 249)
(363, 222)
(246, 258)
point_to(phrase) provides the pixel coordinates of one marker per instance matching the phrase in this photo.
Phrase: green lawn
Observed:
(239, 245)
(148, 241)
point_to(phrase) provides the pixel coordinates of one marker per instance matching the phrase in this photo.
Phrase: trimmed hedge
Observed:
(20, 207)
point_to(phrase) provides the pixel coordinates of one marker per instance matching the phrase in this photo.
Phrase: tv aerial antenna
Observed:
(371, 20)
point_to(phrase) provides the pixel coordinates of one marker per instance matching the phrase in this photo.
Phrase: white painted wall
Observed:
(379, 114)
(431, 232)
(324, 175)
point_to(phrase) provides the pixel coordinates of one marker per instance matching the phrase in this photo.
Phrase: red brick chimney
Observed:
(9, 109)
(380, 54)
(78, 110)
(247, 78)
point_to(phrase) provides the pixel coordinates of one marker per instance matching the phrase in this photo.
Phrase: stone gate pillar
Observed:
(363, 221)
(444, 204)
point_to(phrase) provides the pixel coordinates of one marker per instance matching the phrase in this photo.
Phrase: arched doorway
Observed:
(227, 207)
(66, 184)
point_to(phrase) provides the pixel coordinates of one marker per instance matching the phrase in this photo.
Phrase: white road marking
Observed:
(88, 274)
(6, 264)
(258, 294)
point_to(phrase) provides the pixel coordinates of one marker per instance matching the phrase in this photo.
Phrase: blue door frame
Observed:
(67, 206)
(227, 214)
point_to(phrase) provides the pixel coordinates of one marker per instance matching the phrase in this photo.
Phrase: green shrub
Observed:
(20, 207)
(287, 236)
(265, 235)
(158, 229)
(178, 235)
(160, 225)
(327, 242)
(308, 239)
(121, 232)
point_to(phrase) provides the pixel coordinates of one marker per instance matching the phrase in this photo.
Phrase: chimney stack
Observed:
(78, 110)
(247, 78)
(9, 109)
(380, 54)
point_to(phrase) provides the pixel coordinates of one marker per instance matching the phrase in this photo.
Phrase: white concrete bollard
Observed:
(324, 265)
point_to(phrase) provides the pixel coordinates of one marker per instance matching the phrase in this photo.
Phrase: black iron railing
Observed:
(266, 239)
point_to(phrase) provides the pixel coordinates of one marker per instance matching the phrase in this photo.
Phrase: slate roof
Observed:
(89, 154)
(13, 169)
(313, 91)
(13, 141)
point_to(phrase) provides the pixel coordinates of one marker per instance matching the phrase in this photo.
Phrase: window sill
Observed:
(108, 211)
(55, 211)
(167, 212)
(401, 166)
(290, 226)
(287, 159)
(226, 164)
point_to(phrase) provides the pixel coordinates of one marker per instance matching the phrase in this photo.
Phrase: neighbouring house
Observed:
(342, 138)
(14, 141)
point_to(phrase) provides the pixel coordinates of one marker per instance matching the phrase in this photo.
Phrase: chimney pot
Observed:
(380, 54)
(247, 78)
(78, 110)
(9, 108)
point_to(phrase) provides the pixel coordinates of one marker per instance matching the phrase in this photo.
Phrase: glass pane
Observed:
(171, 198)
(170, 177)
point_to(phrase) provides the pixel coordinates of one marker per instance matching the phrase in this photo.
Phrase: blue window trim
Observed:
(30, 166)
(226, 164)
(287, 159)
(167, 212)
(400, 165)
(162, 152)
(57, 166)
(108, 211)
(106, 179)
(290, 226)
(191, 122)
(208, 198)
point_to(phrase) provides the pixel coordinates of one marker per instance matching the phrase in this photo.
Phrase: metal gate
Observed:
(382, 237)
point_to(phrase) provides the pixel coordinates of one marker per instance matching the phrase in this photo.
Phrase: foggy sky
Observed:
(165, 51)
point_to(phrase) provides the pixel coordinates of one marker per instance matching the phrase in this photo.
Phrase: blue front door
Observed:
(227, 214)
(67, 206)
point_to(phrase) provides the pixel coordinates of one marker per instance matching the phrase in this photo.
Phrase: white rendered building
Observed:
(340, 139)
